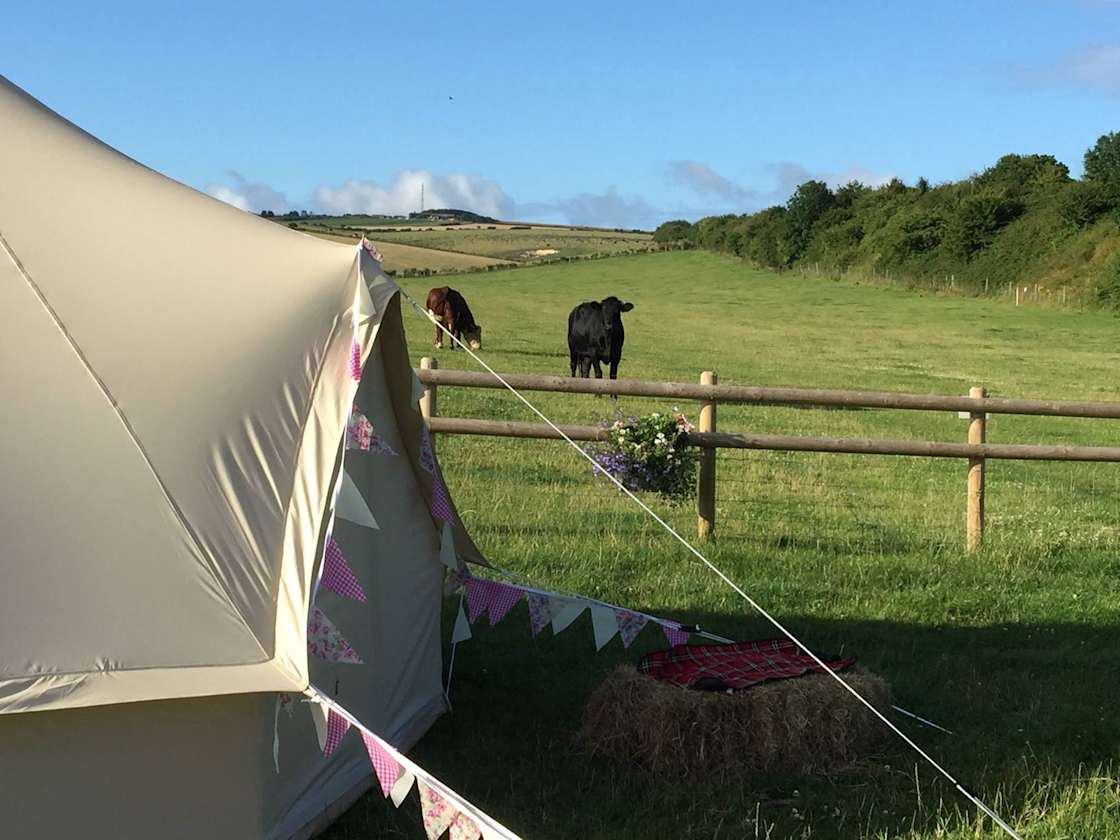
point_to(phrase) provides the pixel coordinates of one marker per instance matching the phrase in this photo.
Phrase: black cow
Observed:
(595, 335)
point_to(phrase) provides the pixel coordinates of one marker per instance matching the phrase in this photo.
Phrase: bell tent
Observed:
(200, 406)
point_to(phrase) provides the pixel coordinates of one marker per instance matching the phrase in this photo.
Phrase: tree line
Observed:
(1024, 219)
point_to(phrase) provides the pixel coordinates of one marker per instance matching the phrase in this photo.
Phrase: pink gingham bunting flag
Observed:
(427, 458)
(441, 502)
(478, 597)
(355, 360)
(324, 640)
(674, 634)
(338, 577)
(337, 726)
(384, 765)
(540, 611)
(437, 813)
(630, 624)
(502, 600)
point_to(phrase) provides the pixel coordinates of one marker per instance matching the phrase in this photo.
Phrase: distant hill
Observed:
(1023, 220)
(451, 215)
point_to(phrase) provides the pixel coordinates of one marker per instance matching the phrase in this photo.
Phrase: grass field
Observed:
(400, 257)
(1016, 650)
(518, 244)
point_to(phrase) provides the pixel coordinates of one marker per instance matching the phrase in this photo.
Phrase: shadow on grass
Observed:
(1024, 701)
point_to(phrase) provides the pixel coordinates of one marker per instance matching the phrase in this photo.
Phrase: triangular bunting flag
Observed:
(384, 765)
(359, 431)
(564, 612)
(478, 597)
(630, 624)
(464, 828)
(319, 718)
(365, 302)
(427, 459)
(502, 600)
(355, 360)
(447, 547)
(337, 726)
(324, 640)
(462, 630)
(351, 506)
(455, 579)
(675, 635)
(401, 787)
(540, 611)
(436, 811)
(604, 625)
(417, 389)
(338, 577)
(441, 502)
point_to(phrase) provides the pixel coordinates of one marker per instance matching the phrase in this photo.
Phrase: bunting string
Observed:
(442, 808)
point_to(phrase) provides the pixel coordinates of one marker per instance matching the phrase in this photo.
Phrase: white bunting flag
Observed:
(319, 718)
(564, 612)
(401, 787)
(417, 389)
(351, 506)
(462, 630)
(604, 624)
(447, 547)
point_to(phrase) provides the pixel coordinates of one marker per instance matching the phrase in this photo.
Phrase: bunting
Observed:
(447, 553)
(436, 813)
(604, 625)
(351, 505)
(675, 635)
(325, 642)
(630, 624)
(441, 502)
(360, 435)
(337, 727)
(540, 611)
(442, 810)
(338, 577)
(502, 600)
(386, 769)
(356, 360)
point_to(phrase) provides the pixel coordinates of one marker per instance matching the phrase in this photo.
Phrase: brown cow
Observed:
(446, 306)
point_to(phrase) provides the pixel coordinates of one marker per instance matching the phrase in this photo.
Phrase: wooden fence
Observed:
(976, 406)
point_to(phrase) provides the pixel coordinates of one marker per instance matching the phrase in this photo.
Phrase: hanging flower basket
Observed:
(650, 454)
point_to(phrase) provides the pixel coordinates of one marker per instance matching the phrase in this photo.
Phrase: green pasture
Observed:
(508, 243)
(1017, 649)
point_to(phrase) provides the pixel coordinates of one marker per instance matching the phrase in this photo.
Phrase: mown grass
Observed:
(1016, 650)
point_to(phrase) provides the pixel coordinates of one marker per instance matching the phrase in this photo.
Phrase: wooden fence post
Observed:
(428, 400)
(706, 484)
(977, 433)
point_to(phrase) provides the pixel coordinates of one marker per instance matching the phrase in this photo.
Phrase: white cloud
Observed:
(791, 175)
(402, 195)
(704, 180)
(249, 196)
(1093, 67)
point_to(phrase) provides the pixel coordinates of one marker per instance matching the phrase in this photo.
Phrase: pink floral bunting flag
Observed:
(436, 811)
(359, 431)
(427, 458)
(630, 624)
(338, 577)
(675, 635)
(337, 727)
(464, 828)
(324, 640)
(540, 611)
(384, 765)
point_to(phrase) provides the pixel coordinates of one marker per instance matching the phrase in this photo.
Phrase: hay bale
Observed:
(799, 726)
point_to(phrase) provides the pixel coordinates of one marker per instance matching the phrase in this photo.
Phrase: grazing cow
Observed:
(595, 335)
(446, 306)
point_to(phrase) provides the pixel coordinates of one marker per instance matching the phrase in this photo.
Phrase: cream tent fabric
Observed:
(175, 395)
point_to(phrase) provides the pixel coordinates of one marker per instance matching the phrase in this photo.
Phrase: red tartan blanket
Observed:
(736, 666)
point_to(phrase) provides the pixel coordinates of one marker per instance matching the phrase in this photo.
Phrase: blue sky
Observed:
(594, 113)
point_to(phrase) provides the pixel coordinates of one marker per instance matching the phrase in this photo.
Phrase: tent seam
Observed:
(129, 430)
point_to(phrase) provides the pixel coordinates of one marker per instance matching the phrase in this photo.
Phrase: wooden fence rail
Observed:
(976, 451)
